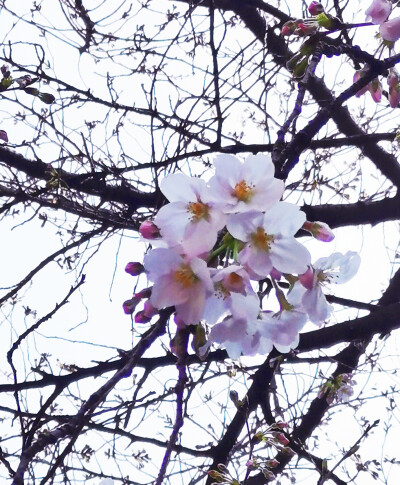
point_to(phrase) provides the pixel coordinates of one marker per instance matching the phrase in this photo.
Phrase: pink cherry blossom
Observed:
(270, 241)
(319, 230)
(191, 219)
(178, 281)
(283, 328)
(242, 187)
(378, 11)
(307, 292)
(390, 30)
(394, 88)
(231, 284)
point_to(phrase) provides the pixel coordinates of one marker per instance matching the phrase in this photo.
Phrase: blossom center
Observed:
(242, 191)
(199, 211)
(185, 276)
(261, 240)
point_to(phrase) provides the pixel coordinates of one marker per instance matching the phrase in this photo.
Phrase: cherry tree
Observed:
(200, 217)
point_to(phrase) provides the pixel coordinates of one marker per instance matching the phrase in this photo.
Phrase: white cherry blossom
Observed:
(270, 241)
(178, 281)
(231, 284)
(191, 219)
(241, 187)
(307, 292)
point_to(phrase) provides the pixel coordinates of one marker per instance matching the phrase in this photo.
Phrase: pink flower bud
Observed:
(357, 76)
(146, 293)
(390, 30)
(281, 438)
(307, 279)
(289, 27)
(140, 317)
(149, 230)
(286, 450)
(134, 268)
(319, 230)
(394, 88)
(304, 28)
(375, 88)
(315, 8)
(130, 305)
(272, 463)
(3, 136)
(281, 425)
(378, 11)
(269, 475)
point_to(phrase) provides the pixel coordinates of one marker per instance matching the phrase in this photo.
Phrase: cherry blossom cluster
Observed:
(214, 244)
(378, 13)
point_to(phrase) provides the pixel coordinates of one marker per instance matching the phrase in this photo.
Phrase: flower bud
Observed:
(149, 230)
(134, 268)
(319, 230)
(375, 88)
(24, 81)
(394, 88)
(268, 475)
(3, 136)
(130, 305)
(46, 98)
(272, 463)
(315, 8)
(141, 317)
(289, 27)
(281, 438)
(306, 28)
(32, 91)
(286, 450)
(145, 293)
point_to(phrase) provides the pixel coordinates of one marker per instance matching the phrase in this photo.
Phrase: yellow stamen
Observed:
(199, 211)
(242, 192)
(261, 240)
(185, 276)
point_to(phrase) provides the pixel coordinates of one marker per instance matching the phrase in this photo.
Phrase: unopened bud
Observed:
(134, 268)
(46, 98)
(140, 317)
(289, 27)
(272, 463)
(269, 475)
(281, 425)
(130, 305)
(3, 136)
(287, 451)
(149, 230)
(281, 438)
(145, 293)
(32, 91)
(306, 28)
(319, 230)
(315, 8)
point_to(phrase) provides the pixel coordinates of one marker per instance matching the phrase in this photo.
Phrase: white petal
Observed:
(161, 261)
(240, 226)
(192, 310)
(289, 256)
(256, 168)
(284, 218)
(172, 219)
